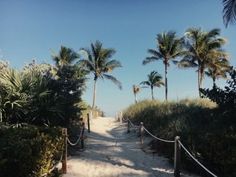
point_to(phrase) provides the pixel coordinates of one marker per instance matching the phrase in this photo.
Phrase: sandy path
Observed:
(111, 152)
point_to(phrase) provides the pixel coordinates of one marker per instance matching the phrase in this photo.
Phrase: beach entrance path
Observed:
(111, 152)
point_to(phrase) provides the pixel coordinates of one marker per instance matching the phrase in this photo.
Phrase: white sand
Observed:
(111, 152)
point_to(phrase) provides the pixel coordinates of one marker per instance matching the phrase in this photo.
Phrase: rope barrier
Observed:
(169, 141)
(196, 159)
(160, 139)
(77, 141)
(131, 123)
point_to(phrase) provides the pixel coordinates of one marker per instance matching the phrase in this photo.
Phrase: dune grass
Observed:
(201, 125)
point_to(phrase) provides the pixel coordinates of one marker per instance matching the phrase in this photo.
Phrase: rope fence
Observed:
(196, 160)
(77, 141)
(160, 139)
(66, 140)
(177, 149)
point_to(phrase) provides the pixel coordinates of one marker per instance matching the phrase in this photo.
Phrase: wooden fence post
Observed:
(128, 126)
(82, 136)
(64, 159)
(141, 130)
(88, 122)
(177, 157)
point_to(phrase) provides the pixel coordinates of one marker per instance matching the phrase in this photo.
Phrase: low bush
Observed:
(29, 151)
(208, 133)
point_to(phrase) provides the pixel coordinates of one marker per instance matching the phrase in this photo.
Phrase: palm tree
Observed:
(168, 48)
(136, 89)
(98, 61)
(200, 47)
(218, 68)
(68, 84)
(65, 57)
(154, 80)
(229, 11)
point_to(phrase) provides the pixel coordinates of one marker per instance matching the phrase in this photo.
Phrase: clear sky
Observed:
(30, 29)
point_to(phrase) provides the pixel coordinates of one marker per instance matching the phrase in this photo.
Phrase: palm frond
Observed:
(155, 53)
(187, 62)
(212, 33)
(145, 83)
(113, 79)
(111, 65)
(150, 59)
(229, 12)
(86, 65)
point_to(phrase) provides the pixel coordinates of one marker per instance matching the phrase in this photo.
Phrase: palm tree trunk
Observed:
(135, 98)
(94, 93)
(201, 75)
(152, 93)
(166, 83)
(198, 78)
(214, 82)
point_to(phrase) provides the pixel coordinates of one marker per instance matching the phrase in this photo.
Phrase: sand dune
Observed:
(111, 152)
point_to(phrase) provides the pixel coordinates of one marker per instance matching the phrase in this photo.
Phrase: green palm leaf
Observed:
(229, 12)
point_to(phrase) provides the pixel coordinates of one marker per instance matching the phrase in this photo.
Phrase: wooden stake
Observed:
(177, 157)
(128, 126)
(64, 159)
(82, 136)
(141, 133)
(88, 122)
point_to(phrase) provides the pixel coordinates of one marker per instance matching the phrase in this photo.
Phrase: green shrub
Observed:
(204, 129)
(29, 151)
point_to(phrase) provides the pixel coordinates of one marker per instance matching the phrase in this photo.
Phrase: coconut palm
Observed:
(218, 68)
(97, 60)
(68, 84)
(154, 80)
(136, 89)
(229, 11)
(168, 48)
(201, 46)
(65, 57)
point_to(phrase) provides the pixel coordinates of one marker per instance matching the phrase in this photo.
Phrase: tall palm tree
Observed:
(229, 11)
(98, 61)
(154, 80)
(168, 48)
(201, 46)
(68, 83)
(65, 57)
(136, 89)
(218, 68)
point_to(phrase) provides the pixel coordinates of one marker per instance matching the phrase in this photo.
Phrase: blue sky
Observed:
(30, 29)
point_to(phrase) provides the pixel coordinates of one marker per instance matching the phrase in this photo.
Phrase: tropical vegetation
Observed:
(154, 80)
(98, 61)
(169, 47)
(202, 49)
(39, 97)
(218, 68)
(136, 89)
(229, 12)
(29, 151)
(43, 94)
(207, 132)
